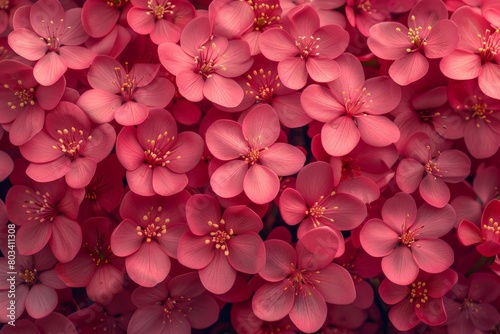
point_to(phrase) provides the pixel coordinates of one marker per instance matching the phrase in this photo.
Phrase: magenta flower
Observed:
(95, 267)
(408, 239)
(254, 160)
(162, 20)
(148, 235)
(219, 246)
(45, 213)
(429, 169)
(244, 320)
(306, 49)
(176, 305)
(23, 100)
(156, 157)
(124, 95)
(52, 41)
(36, 284)
(204, 64)
(302, 280)
(352, 108)
(488, 237)
(469, 304)
(429, 31)
(420, 301)
(314, 202)
(68, 147)
(476, 55)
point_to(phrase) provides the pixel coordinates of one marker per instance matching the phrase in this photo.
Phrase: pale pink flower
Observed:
(99, 17)
(148, 235)
(427, 168)
(156, 157)
(353, 108)
(124, 94)
(95, 267)
(420, 301)
(23, 101)
(469, 304)
(219, 246)
(162, 20)
(53, 41)
(69, 147)
(476, 55)
(315, 202)
(204, 64)
(253, 158)
(306, 49)
(428, 31)
(46, 214)
(303, 280)
(407, 238)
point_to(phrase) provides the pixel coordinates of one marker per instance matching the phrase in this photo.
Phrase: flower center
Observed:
(53, 32)
(300, 278)
(418, 293)
(364, 6)
(99, 253)
(356, 100)
(349, 169)
(220, 236)
(157, 153)
(4, 4)
(265, 15)
(252, 156)
(432, 167)
(479, 111)
(417, 36)
(408, 238)
(71, 141)
(317, 210)
(29, 276)
(262, 84)
(153, 229)
(116, 3)
(125, 84)
(207, 60)
(159, 10)
(23, 96)
(39, 206)
(308, 46)
(490, 45)
(175, 304)
(492, 228)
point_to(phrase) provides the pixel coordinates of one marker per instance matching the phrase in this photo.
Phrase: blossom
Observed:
(306, 49)
(353, 108)
(429, 30)
(148, 235)
(301, 282)
(162, 20)
(23, 101)
(218, 245)
(363, 14)
(253, 159)
(156, 157)
(420, 301)
(407, 238)
(100, 17)
(175, 305)
(204, 64)
(124, 94)
(53, 41)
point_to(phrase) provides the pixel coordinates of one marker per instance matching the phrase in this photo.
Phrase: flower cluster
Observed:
(249, 166)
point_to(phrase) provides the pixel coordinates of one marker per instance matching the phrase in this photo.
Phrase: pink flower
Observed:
(162, 20)
(68, 147)
(45, 213)
(429, 30)
(254, 160)
(99, 17)
(315, 203)
(6, 165)
(363, 14)
(219, 246)
(156, 156)
(306, 49)
(244, 320)
(36, 282)
(468, 305)
(7, 12)
(480, 117)
(176, 305)
(52, 41)
(352, 108)
(408, 239)
(124, 95)
(148, 235)
(429, 169)
(95, 267)
(488, 237)
(476, 55)
(204, 64)
(302, 280)
(421, 301)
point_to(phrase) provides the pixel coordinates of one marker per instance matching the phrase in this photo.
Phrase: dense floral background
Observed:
(250, 166)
